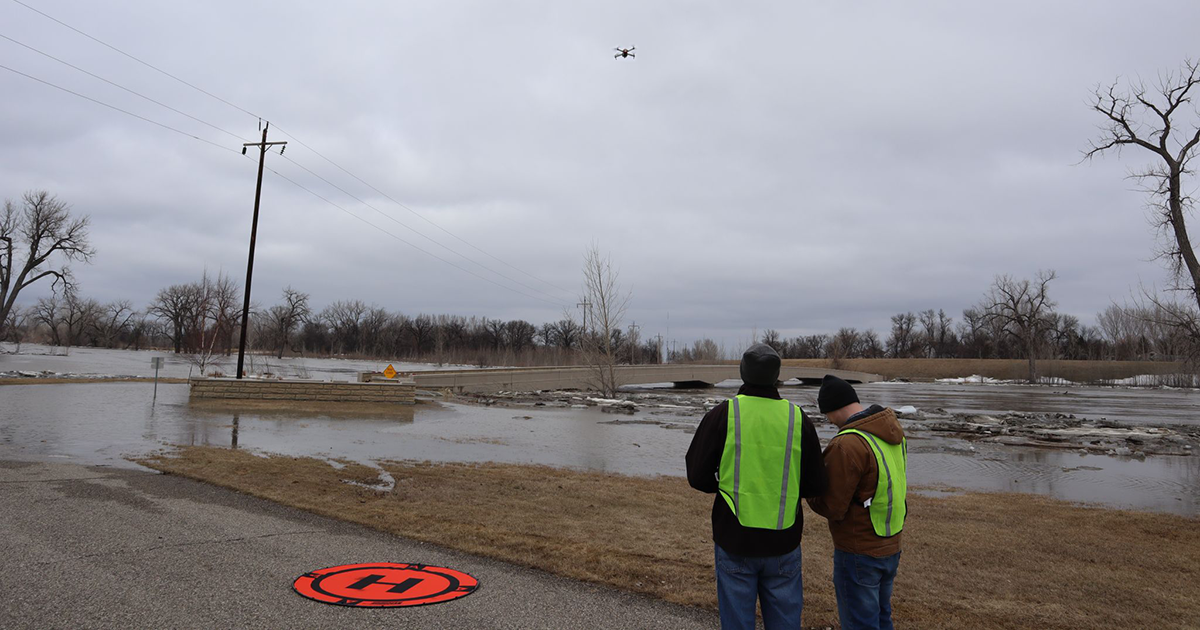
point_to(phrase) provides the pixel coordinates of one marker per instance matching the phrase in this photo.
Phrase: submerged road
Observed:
(99, 547)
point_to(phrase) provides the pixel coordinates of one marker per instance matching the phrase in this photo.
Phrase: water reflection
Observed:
(233, 435)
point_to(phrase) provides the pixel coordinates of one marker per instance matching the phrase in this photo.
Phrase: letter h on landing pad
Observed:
(373, 579)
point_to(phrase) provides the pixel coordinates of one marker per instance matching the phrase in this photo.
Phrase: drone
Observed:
(625, 52)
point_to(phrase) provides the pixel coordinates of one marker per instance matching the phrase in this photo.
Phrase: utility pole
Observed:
(586, 306)
(262, 157)
(634, 342)
(660, 348)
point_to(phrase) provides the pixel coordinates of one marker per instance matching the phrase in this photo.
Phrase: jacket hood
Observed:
(882, 424)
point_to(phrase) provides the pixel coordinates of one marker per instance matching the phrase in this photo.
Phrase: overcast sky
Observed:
(790, 165)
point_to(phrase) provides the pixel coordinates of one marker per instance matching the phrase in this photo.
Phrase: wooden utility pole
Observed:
(586, 305)
(262, 156)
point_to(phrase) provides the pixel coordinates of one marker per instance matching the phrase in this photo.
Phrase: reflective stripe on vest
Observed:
(889, 505)
(759, 473)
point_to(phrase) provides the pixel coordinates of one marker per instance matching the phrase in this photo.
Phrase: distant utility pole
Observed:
(660, 348)
(586, 305)
(633, 351)
(262, 156)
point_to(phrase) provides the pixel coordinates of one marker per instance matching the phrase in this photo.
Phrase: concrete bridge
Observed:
(581, 377)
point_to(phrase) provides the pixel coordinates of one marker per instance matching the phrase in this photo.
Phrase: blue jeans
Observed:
(773, 580)
(864, 589)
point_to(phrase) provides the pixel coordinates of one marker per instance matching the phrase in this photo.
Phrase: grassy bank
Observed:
(970, 561)
(1006, 369)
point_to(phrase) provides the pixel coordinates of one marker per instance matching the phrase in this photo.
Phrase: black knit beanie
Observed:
(760, 365)
(835, 394)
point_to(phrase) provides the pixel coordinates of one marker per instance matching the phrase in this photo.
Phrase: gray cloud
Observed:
(793, 166)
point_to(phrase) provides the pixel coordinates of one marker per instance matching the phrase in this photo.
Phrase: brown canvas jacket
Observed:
(852, 475)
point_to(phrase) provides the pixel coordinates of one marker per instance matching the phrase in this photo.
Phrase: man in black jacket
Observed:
(752, 439)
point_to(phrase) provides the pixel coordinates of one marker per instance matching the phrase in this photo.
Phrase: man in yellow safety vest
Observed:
(759, 454)
(867, 467)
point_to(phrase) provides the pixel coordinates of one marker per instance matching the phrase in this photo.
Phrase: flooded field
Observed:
(102, 423)
(100, 362)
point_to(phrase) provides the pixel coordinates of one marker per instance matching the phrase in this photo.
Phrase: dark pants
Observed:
(864, 589)
(775, 581)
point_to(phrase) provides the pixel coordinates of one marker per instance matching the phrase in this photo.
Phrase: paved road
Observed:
(100, 547)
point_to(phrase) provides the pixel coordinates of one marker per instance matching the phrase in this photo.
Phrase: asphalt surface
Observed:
(101, 547)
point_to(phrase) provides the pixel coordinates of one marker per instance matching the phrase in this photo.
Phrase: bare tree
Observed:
(902, 341)
(212, 319)
(175, 304)
(601, 289)
(810, 346)
(65, 316)
(1024, 311)
(844, 344)
(973, 333)
(871, 347)
(344, 319)
(226, 310)
(519, 334)
(1163, 122)
(421, 328)
(46, 312)
(17, 326)
(36, 242)
(286, 317)
(115, 320)
(772, 338)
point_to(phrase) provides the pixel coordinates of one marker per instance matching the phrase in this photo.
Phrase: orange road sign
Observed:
(390, 372)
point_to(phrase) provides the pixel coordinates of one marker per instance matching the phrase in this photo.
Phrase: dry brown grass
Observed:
(67, 381)
(1008, 369)
(970, 561)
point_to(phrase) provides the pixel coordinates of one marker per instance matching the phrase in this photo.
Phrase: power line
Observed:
(114, 107)
(414, 230)
(117, 85)
(419, 215)
(406, 242)
(303, 144)
(220, 146)
(144, 63)
(297, 140)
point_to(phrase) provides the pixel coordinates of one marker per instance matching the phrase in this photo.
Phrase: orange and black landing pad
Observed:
(385, 585)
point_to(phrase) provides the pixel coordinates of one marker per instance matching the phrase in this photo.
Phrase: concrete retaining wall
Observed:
(396, 392)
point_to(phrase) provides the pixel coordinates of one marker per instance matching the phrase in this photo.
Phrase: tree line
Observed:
(1015, 319)
(202, 320)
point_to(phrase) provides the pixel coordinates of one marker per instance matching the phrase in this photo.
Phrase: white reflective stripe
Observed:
(787, 463)
(887, 527)
(737, 452)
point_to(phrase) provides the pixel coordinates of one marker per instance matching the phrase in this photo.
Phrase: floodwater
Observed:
(102, 423)
(1127, 404)
(1153, 406)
